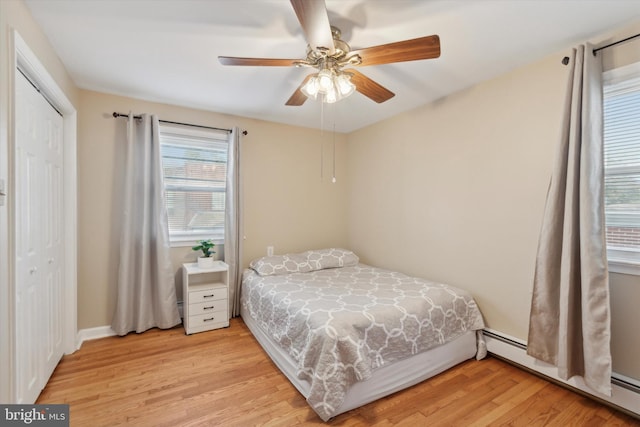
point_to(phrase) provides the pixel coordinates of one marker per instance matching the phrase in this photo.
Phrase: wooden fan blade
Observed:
(269, 62)
(369, 88)
(298, 98)
(408, 50)
(313, 18)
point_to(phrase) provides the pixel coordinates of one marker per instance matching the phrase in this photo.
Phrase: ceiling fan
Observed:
(330, 55)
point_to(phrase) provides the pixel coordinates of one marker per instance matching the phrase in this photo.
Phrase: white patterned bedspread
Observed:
(340, 324)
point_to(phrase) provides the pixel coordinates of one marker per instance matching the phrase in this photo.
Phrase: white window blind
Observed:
(194, 163)
(622, 166)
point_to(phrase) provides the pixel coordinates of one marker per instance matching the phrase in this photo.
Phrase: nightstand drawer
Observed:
(215, 320)
(208, 307)
(207, 295)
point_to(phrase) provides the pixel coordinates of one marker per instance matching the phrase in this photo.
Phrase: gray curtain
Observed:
(233, 223)
(146, 295)
(569, 324)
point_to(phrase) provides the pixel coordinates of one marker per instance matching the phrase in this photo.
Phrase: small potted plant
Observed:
(206, 246)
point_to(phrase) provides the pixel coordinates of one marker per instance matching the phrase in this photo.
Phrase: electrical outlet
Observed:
(269, 250)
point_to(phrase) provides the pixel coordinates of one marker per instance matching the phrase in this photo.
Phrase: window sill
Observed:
(624, 267)
(623, 260)
(183, 243)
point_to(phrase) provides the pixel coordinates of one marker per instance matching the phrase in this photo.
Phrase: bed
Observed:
(345, 333)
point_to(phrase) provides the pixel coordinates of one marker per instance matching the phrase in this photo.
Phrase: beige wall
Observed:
(625, 319)
(285, 203)
(455, 192)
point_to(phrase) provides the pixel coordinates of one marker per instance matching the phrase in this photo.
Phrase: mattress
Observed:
(335, 327)
(386, 380)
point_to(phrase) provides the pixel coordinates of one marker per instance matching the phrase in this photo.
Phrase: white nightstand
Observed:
(205, 297)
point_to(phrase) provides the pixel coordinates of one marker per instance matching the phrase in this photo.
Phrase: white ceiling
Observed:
(166, 50)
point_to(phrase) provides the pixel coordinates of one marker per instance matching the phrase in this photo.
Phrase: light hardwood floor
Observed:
(223, 378)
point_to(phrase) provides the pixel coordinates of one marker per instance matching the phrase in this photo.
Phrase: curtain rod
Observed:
(565, 60)
(615, 43)
(116, 115)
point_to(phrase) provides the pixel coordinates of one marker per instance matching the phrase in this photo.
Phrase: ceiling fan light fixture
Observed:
(331, 84)
(331, 95)
(311, 88)
(325, 79)
(344, 85)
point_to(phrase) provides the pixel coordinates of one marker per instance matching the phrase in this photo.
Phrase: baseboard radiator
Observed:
(625, 391)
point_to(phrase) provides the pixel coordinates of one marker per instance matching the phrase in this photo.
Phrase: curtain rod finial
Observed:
(565, 60)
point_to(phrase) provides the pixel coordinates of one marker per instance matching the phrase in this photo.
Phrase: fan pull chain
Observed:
(333, 117)
(321, 158)
(321, 139)
(333, 179)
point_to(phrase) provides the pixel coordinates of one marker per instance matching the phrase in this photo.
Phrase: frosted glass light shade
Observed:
(310, 89)
(331, 95)
(325, 79)
(345, 87)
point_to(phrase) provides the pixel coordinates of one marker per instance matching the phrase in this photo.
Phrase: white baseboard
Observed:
(93, 333)
(103, 331)
(514, 350)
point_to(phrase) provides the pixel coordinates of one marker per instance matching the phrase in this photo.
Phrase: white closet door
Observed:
(39, 242)
(53, 245)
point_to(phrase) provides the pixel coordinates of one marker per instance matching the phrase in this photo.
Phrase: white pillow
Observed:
(304, 262)
(281, 264)
(331, 258)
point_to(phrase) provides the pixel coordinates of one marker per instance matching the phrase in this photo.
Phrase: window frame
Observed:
(188, 239)
(622, 260)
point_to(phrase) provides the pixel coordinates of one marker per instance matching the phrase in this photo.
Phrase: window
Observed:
(194, 164)
(622, 167)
